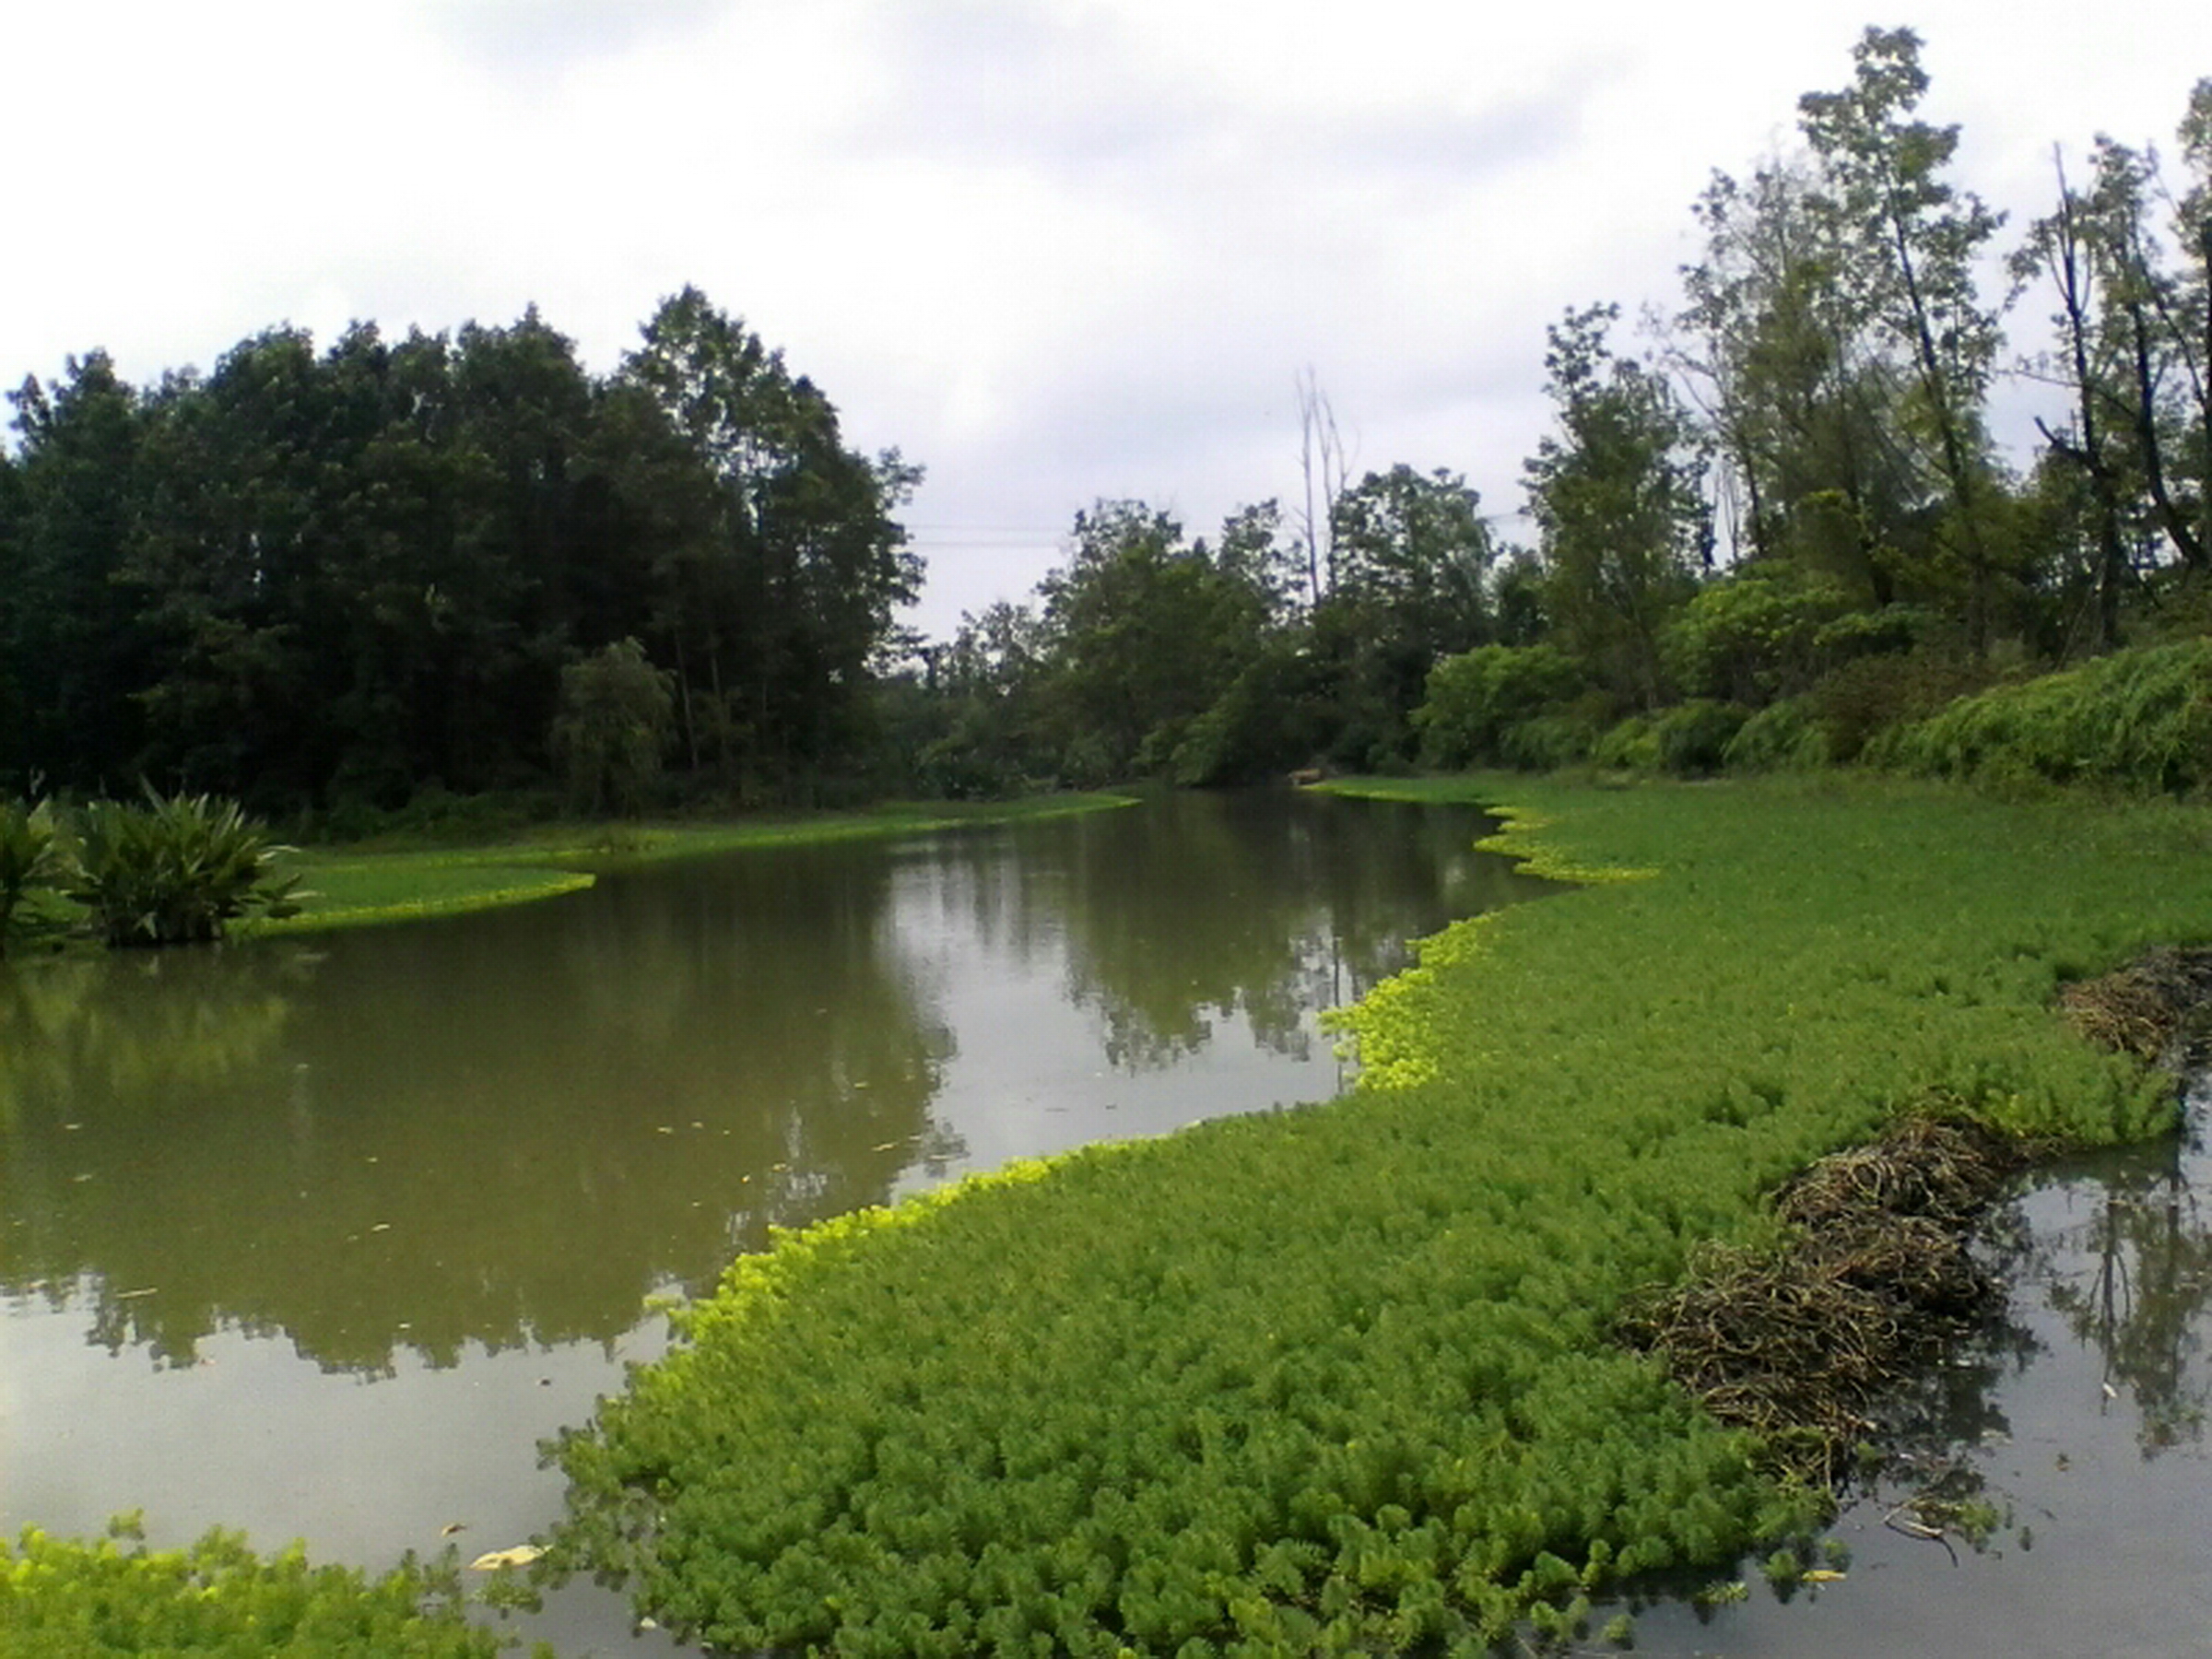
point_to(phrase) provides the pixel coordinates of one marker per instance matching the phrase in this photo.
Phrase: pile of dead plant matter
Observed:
(2158, 1007)
(1798, 1340)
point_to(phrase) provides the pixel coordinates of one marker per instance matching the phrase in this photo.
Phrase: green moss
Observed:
(1341, 1379)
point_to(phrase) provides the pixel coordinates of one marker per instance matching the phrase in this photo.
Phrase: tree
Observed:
(1618, 494)
(1146, 632)
(780, 586)
(617, 713)
(1906, 242)
(1806, 414)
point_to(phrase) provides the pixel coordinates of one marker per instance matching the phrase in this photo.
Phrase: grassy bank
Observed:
(1344, 1378)
(402, 880)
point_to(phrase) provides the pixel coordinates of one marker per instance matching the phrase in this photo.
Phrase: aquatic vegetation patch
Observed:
(116, 1597)
(1346, 1378)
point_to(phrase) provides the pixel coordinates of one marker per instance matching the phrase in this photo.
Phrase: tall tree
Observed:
(1618, 493)
(1909, 242)
(75, 645)
(781, 595)
(1146, 632)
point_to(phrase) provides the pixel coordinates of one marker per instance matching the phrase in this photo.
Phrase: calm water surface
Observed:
(2078, 1417)
(318, 1239)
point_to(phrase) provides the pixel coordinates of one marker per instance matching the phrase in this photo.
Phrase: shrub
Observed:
(1475, 698)
(1546, 743)
(1781, 737)
(30, 858)
(2138, 721)
(1753, 635)
(174, 871)
(1870, 694)
(1692, 737)
(1632, 746)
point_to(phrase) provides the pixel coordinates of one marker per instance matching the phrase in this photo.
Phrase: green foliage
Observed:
(1781, 737)
(617, 713)
(1753, 636)
(1338, 1380)
(1855, 703)
(115, 1596)
(30, 858)
(176, 870)
(1617, 492)
(2136, 721)
(1689, 741)
(1694, 736)
(1476, 697)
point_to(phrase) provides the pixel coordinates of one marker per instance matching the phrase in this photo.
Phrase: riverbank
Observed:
(1346, 1376)
(404, 880)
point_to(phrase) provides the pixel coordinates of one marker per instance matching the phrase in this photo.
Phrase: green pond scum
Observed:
(1343, 1379)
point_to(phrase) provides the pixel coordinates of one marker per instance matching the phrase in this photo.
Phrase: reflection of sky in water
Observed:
(2080, 1419)
(321, 1240)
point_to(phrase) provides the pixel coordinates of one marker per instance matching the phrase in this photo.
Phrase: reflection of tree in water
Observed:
(1267, 905)
(500, 1131)
(2143, 1287)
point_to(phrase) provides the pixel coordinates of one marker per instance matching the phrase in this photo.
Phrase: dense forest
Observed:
(1772, 527)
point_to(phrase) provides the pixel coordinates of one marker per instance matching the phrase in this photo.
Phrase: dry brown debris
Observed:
(2151, 1008)
(1799, 1341)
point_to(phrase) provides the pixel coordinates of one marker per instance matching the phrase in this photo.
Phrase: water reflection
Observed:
(507, 1131)
(2071, 1429)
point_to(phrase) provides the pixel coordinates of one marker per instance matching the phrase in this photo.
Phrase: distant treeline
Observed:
(306, 579)
(1777, 533)
(1781, 533)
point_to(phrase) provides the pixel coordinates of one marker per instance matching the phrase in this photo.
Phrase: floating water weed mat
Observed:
(1346, 1378)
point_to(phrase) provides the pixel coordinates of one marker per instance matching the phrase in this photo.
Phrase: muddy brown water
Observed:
(318, 1239)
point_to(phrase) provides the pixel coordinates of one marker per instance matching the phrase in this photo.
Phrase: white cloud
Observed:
(1050, 250)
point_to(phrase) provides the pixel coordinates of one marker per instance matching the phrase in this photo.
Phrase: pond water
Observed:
(2075, 1422)
(319, 1238)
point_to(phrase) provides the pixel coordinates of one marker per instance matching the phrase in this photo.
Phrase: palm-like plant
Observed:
(174, 871)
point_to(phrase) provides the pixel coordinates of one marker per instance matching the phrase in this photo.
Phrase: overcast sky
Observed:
(1053, 252)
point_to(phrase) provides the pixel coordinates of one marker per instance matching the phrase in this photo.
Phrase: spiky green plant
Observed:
(30, 858)
(174, 871)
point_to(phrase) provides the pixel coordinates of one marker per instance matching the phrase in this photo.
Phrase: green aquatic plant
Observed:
(176, 870)
(1343, 1379)
(114, 1596)
(31, 858)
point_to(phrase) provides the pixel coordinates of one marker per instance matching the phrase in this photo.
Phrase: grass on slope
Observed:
(1342, 1379)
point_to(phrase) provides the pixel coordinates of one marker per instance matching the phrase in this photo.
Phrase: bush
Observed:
(2138, 720)
(1869, 695)
(1475, 698)
(1693, 737)
(1781, 737)
(1632, 746)
(30, 858)
(1546, 743)
(173, 871)
(1753, 635)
